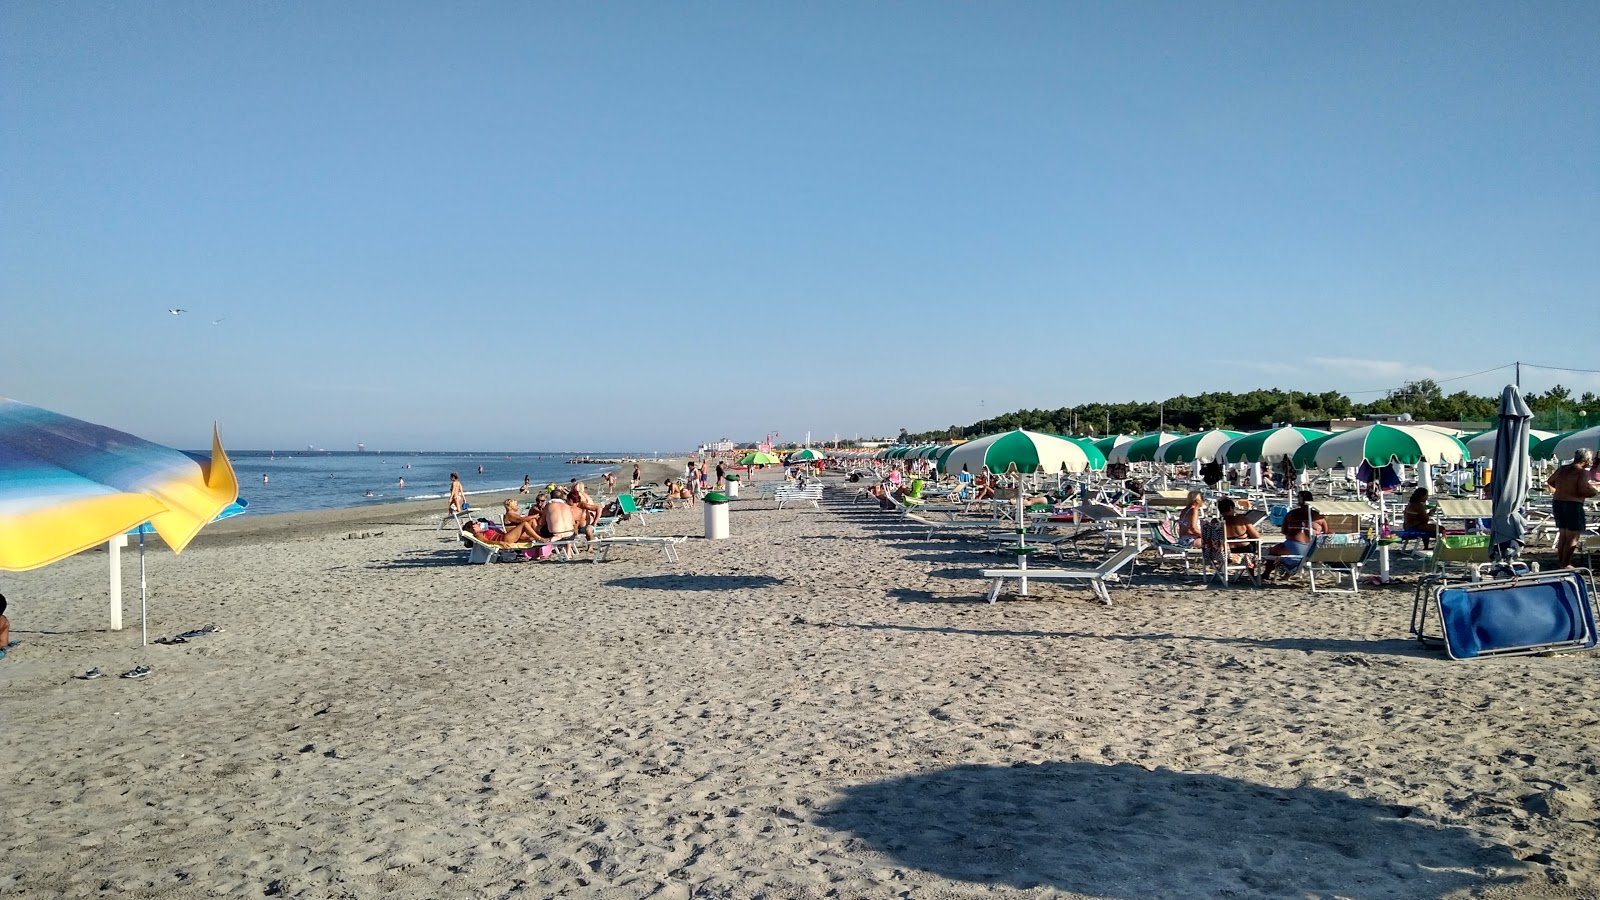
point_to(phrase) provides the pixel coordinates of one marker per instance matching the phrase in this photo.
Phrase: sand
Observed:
(820, 706)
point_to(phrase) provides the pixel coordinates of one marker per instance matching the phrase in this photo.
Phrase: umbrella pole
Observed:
(144, 627)
(114, 553)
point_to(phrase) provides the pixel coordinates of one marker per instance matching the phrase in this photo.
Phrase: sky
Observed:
(525, 226)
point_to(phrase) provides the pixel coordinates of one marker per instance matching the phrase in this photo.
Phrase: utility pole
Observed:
(1519, 374)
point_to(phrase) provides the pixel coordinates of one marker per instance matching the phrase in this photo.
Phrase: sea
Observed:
(274, 481)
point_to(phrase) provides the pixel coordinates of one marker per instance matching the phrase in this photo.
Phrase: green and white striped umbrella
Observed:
(1481, 445)
(1202, 445)
(1270, 445)
(1106, 444)
(1029, 451)
(1097, 460)
(1142, 449)
(1379, 444)
(806, 455)
(1563, 446)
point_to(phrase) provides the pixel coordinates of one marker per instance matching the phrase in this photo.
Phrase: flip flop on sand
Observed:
(180, 639)
(137, 672)
(90, 675)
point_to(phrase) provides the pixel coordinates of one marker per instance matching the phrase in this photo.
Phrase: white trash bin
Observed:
(732, 481)
(716, 504)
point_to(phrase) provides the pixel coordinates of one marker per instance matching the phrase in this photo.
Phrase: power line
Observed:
(1563, 369)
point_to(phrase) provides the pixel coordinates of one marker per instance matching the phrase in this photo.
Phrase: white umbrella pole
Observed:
(114, 552)
(144, 627)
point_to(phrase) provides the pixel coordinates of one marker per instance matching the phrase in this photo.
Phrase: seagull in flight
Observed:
(218, 321)
(177, 312)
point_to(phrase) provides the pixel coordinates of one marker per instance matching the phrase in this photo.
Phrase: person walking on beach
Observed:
(635, 485)
(1571, 485)
(458, 494)
(722, 476)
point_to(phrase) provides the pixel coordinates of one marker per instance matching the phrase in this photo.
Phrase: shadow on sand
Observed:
(1119, 831)
(1391, 647)
(696, 582)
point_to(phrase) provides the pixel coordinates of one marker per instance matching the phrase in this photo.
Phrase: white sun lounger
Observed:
(1098, 577)
(668, 545)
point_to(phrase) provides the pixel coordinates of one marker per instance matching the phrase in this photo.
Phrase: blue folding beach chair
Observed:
(1537, 613)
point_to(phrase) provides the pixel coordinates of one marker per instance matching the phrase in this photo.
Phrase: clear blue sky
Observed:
(538, 225)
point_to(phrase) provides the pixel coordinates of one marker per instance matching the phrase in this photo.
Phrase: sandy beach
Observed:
(820, 706)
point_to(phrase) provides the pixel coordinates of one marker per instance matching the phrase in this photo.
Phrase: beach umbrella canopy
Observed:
(1097, 460)
(1564, 446)
(1513, 470)
(1481, 445)
(1142, 449)
(1106, 444)
(1379, 444)
(67, 485)
(757, 458)
(1202, 445)
(806, 455)
(1029, 451)
(1269, 445)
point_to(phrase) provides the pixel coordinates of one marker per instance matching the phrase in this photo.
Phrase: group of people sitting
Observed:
(1300, 527)
(556, 515)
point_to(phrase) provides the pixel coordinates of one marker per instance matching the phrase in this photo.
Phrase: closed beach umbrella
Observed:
(1029, 451)
(1270, 445)
(67, 485)
(1106, 444)
(1564, 446)
(806, 455)
(1202, 445)
(1380, 444)
(1142, 449)
(1512, 473)
(1481, 445)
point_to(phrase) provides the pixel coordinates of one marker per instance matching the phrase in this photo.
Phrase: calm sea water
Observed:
(301, 481)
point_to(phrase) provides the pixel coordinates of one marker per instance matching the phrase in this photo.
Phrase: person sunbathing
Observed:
(579, 497)
(1419, 519)
(1300, 526)
(1189, 520)
(1241, 534)
(523, 533)
(513, 515)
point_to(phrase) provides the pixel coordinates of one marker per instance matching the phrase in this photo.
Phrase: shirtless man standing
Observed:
(1571, 485)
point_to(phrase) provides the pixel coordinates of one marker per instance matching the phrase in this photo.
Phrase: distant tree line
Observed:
(1555, 410)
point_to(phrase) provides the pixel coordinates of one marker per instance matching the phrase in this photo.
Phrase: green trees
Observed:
(1425, 400)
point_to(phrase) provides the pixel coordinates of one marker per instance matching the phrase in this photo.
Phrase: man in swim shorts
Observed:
(1571, 486)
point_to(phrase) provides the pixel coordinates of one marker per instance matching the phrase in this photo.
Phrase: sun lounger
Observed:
(668, 545)
(811, 493)
(1098, 577)
(481, 552)
(1539, 613)
(962, 527)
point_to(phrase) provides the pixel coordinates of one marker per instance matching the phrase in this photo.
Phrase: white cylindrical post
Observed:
(114, 552)
(1255, 475)
(1425, 475)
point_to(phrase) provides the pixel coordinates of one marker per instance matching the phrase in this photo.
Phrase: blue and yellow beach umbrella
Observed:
(67, 485)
